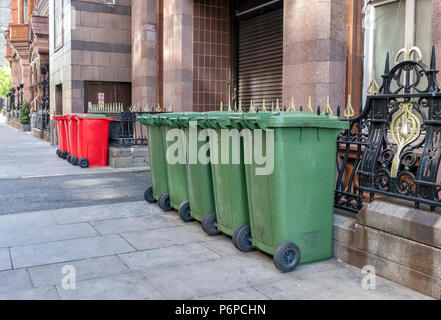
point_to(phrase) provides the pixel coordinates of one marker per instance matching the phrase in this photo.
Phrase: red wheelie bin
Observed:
(73, 139)
(62, 137)
(65, 121)
(93, 140)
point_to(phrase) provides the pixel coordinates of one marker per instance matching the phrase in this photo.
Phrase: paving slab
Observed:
(105, 212)
(198, 279)
(46, 293)
(23, 235)
(5, 259)
(123, 225)
(68, 250)
(131, 286)
(248, 293)
(84, 270)
(26, 221)
(176, 255)
(224, 246)
(167, 237)
(14, 280)
(342, 283)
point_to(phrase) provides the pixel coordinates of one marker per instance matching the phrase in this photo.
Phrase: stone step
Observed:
(395, 272)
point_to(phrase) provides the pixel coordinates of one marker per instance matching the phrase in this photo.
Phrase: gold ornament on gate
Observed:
(328, 109)
(292, 106)
(349, 111)
(264, 106)
(309, 107)
(373, 88)
(408, 54)
(405, 128)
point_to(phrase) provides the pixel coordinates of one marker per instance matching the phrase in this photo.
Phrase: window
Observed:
(25, 11)
(391, 25)
(58, 24)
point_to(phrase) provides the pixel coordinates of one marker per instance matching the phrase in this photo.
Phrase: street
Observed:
(93, 227)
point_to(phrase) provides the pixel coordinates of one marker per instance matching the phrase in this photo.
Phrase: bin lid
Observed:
(297, 119)
(148, 120)
(105, 118)
(224, 120)
(188, 117)
(170, 119)
(88, 115)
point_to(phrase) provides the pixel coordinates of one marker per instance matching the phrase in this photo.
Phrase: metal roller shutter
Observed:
(260, 58)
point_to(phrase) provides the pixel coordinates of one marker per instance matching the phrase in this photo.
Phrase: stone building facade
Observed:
(90, 53)
(194, 54)
(5, 16)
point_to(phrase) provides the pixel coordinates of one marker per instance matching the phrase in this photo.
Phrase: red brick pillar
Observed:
(178, 54)
(144, 52)
(436, 35)
(314, 51)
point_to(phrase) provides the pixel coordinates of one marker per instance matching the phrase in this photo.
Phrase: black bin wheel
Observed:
(164, 202)
(184, 212)
(64, 155)
(287, 257)
(59, 153)
(74, 161)
(148, 195)
(84, 163)
(209, 224)
(69, 158)
(242, 238)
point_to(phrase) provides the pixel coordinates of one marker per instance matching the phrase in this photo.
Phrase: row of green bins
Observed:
(159, 190)
(291, 208)
(286, 212)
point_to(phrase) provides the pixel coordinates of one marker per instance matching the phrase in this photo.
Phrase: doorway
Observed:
(59, 99)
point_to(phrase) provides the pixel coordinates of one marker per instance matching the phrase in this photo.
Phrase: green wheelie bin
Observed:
(291, 206)
(175, 162)
(199, 179)
(229, 182)
(158, 166)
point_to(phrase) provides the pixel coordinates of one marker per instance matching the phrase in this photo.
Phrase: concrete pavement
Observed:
(24, 156)
(135, 251)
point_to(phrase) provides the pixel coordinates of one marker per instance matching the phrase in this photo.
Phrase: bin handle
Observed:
(212, 123)
(259, 122)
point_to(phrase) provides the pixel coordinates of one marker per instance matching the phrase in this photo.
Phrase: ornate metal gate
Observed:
(393, 147)
(43, 113)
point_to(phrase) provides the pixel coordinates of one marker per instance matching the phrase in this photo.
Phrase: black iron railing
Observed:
(125, 130)
(15, 102)
(43, 113)
(393, 147)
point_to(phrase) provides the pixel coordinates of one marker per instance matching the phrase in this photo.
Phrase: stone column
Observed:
(436, 36)
(144, 52)
(178, 54)
(27, 94)
(314, 52)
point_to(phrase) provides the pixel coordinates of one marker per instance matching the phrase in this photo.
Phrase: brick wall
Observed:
(211, 57)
